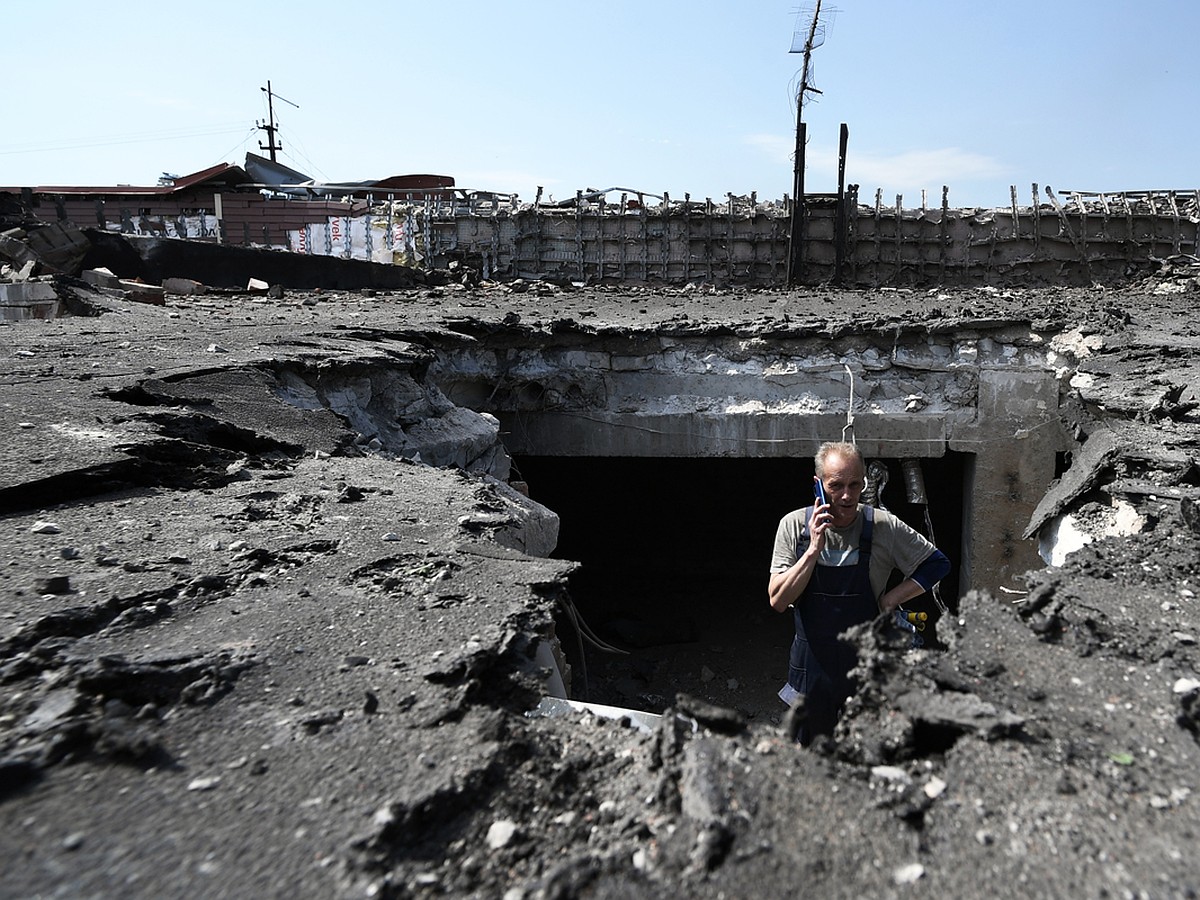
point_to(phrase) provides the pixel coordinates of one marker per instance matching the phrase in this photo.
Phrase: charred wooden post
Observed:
(842, 215)
(796, 233)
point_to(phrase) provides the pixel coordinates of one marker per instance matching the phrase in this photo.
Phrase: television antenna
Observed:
(809, 34)
(270, 128)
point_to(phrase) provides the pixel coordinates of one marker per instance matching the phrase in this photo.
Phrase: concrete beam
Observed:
(722, 434)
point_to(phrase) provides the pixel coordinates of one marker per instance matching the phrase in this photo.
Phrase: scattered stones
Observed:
(73, 841)
(908, 874)
(934, 788)
(500, 833)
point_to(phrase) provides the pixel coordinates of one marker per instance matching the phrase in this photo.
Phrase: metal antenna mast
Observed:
(270, 128)
(802, 42)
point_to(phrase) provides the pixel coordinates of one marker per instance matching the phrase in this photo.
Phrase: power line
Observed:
(116, 140)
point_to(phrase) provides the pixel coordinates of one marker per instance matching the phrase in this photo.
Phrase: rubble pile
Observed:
(253, 645)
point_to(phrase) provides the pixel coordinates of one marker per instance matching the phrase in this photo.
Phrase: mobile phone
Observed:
(819, 492)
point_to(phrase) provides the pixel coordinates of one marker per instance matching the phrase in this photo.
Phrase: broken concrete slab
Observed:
(101, 278)
(25, 272)
(24, 300)
(142, 293)
(59, 247)
(1085, 472)
(186, 287)
(13, 247)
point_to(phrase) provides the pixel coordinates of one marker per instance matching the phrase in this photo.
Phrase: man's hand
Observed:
(818, 523)
(904, 591)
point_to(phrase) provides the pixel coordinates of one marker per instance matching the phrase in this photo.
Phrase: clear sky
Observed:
(656, 95)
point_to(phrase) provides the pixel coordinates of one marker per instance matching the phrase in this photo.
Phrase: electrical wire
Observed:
(589, 635)
(584, 633)
(850, 411)
(116, 140)
(241, 143)
(295, 142)
(569, 608)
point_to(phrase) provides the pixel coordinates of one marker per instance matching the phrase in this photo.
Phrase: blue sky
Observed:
(658, 95)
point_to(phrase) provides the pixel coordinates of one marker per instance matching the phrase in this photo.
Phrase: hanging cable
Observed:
(849, 412)
(584, 633)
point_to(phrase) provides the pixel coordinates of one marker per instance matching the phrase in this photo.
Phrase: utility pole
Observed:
(814, 38)
(270, 128)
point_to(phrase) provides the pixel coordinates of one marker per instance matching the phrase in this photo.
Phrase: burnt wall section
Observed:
(1078, 240)
(988, 390)
(642, 238)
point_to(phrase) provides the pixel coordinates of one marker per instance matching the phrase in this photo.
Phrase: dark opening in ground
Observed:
(675, 560)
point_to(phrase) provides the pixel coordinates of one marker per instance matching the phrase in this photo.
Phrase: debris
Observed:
(1087, 466)
(891, 773)
(101, 278)
(934, 787)
(142, 293)
(500, 832)
(28, 300)
(73, 841)
(185, 286)
(58, 248)
(718, 718)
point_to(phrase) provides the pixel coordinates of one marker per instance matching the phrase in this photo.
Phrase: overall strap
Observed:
(864, 540)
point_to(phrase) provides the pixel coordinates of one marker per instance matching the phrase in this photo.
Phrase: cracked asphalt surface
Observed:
(243, 656)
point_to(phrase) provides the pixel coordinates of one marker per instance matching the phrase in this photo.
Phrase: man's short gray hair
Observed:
(843, 449)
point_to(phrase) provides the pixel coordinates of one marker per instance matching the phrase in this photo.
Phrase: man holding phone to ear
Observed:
(831, 565)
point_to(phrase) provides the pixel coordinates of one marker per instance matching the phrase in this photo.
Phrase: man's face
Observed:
(844, 481)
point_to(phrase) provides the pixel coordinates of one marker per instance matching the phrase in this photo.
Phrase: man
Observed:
(831, 564)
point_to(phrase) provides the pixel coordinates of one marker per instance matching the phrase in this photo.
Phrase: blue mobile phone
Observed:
(819, 492)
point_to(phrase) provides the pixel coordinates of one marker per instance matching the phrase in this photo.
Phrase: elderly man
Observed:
(831, 564)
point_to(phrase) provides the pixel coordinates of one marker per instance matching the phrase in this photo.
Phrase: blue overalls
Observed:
(836, 598)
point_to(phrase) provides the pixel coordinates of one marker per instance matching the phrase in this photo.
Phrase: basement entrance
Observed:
(675, 557)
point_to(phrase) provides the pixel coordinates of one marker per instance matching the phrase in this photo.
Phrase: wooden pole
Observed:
(840, 247)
